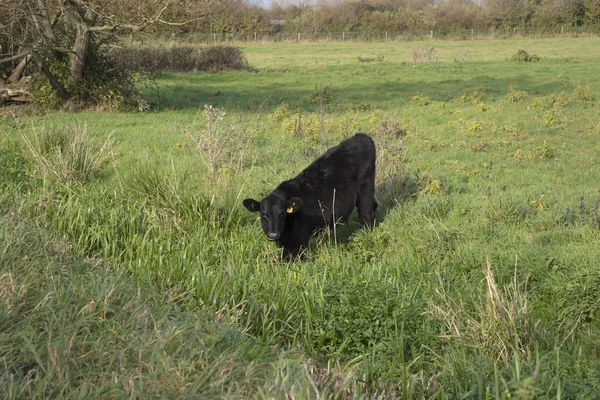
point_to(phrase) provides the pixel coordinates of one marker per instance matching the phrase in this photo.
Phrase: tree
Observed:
(510, 12)
(50, 33)
(592, 12)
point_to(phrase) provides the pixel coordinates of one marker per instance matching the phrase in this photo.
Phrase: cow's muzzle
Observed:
(273, 235)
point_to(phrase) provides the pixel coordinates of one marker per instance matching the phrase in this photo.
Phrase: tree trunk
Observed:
(18, 72)
(77, 57)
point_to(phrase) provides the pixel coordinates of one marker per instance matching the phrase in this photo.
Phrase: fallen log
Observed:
(14, 95)
(18, 72)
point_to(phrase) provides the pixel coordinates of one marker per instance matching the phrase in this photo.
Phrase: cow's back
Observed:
(335, 178)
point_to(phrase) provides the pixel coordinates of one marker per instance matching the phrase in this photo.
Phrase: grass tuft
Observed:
(69, 155)
(496, 321)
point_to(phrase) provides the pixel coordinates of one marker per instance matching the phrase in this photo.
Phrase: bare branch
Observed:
(42, 20)
(15, 57)
(132, 27)
(183, 23)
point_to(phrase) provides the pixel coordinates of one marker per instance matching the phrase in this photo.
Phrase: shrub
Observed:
(280, 113)
(321, 95)
(422, 54)
(477, 96)
(582, 93)
(221, 58)
(421, 100)
(175, 59)
(523, 56)
(108, 86)
(180, 59)
(515, 96)
(104, 84)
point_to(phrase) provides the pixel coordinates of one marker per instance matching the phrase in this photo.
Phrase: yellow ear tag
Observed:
(291, 209)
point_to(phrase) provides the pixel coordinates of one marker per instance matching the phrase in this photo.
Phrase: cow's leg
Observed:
(366, 204)
(295, 241)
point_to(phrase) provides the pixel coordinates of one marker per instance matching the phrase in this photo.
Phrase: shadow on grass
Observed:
(248, 93)
(395, 188)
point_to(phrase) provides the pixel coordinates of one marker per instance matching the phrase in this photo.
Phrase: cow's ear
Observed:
(293, 205)
(251, 204)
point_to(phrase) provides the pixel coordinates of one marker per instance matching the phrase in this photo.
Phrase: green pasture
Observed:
(481, 278)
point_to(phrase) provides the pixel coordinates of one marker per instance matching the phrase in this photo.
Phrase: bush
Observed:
(175, 59)
(181, 59)
(105, 84)
(220, 58)
(422, 54)
(523, 56)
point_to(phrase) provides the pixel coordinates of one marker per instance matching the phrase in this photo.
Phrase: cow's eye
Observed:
(264, 216)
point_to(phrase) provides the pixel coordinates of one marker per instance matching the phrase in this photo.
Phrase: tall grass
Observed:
(68, 154)
(75, 327)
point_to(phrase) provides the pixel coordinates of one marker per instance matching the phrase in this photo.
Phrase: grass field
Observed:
(481, 278)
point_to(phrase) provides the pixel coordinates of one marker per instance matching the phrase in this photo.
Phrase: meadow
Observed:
(131, 268)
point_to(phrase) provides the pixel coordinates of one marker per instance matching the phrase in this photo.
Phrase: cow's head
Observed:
(273, 212)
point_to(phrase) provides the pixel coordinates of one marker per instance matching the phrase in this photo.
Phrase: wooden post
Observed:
(343, 36)
(432, 33)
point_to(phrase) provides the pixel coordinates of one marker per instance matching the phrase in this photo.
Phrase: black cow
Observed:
(324, 193)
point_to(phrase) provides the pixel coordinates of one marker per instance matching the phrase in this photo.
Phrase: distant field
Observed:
(482, 276)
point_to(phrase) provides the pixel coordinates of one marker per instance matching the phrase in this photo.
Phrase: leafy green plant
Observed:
(321, 95)
(355, 317)
(514, 96)
(582, 93)
(421, 100)
(543, 152)
(471, 126)
(524, 56)
(476, 96)
(280, 113)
